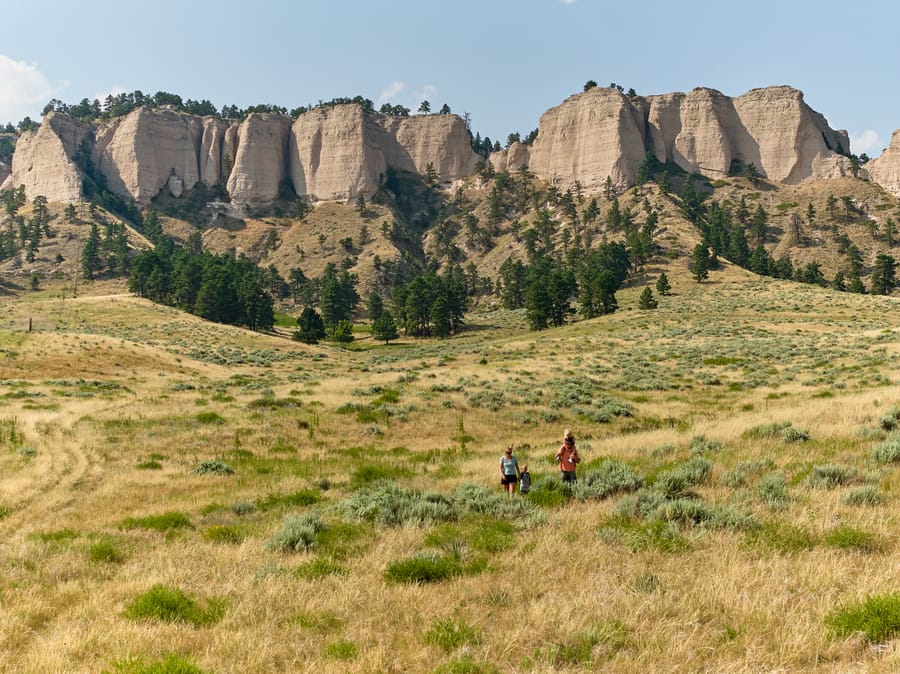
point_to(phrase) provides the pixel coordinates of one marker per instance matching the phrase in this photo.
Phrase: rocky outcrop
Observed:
(441, 141)
(215, 160)
(260, 162)
(340, 152)
(45, 159)
(885, 170)
(591, 136)
(5, 171)
(139, 152)
(335, 153)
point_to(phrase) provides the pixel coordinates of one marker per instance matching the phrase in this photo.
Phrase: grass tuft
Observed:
(169, 604)
(877, 618)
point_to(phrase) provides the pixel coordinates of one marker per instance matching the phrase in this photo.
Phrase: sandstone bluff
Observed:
(340, 152)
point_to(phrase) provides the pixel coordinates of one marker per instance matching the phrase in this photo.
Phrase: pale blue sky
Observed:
(503, 61)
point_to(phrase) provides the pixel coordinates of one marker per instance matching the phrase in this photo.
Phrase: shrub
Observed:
(610, 477)
(465, 665)
(699, 512)
(700, 445)
(105, 551)
(297, 499)
(170, 604)
(772, 489)
(888, 451)
(738, 476)
(847, 537)
(297, 533)
(214, 467)
(675, 481)
(830, 475)
(791, 434)
(770, 430)
(782, 536)
(424, 567)
(221, 533)
(547, 491)
(877, 618)
(165, 522)
(151, 464)
(866, 495)
(318, 568)
(242, 508)
(209, 418)
(449, 636)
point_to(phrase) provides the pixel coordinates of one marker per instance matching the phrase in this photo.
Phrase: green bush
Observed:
(214, 467)
(740, 474)
(318, 568)
(449, 635)
(772, 489)
(791, 434)
(877, 618)
(830, 475)
(609, 478)
(165, 522)
(105, 551)
(547, 491)
(782, 536)
(888, 451)
(675, 482)
(223, 533)
(762, 431)
(209, 418)
(866, 495)
(297, 533)
(297, 499)
(169, 604)
(851, 538)
(465, 665)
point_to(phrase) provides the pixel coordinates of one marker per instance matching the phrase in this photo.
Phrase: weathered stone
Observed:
(885, 170)
(439, 140)
(138, 152)
(212, 151)
(44, 159)
(514, 158)
(260, 163)
(589, 137)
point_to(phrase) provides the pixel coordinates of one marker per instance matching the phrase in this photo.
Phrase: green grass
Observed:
(169, 604)
(877, 618)
(105, 551)
(847, 537)
(297, 499)
(223, 533)
(449, 635)
(170, 664)
(166, 522)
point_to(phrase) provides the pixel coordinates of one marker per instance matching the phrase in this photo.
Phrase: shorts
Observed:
(508, 479)
(568, 476)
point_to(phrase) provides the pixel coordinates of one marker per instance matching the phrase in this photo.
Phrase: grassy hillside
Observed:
(175, 493)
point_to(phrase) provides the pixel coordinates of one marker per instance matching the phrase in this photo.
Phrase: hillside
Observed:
(740, 470)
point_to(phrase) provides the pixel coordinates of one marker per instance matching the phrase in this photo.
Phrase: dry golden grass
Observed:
(110, 403)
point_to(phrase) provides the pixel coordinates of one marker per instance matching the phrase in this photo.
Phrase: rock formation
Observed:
(260, 162)
(885, 170)
(5, 170)
(138, 153)
(339, 152)
(590, 136)
(45, 159)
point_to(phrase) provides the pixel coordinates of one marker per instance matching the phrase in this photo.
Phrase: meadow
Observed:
(181, 496)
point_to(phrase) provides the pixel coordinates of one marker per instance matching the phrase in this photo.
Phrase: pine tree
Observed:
(700, 263)
(663, 287)
(646, 300)
(384, 328)
(90, 256)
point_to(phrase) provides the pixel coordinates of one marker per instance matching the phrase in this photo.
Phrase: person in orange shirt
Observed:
(568, 458)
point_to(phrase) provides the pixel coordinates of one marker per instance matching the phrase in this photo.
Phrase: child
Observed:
(524, 480)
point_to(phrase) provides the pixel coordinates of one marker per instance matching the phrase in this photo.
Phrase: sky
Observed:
(504, 62)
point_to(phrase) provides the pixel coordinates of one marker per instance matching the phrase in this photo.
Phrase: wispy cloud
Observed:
(393, 90)
(868, 141)
(24, 90)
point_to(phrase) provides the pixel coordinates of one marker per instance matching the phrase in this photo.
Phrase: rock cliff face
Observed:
(339, 152)
(45, 159)
(602, 133)
(590, 136)
(885, 170)
(5, 170)
(260, 162)
(139, 152)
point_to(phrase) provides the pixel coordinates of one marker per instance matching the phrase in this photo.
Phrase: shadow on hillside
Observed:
(9, 288)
